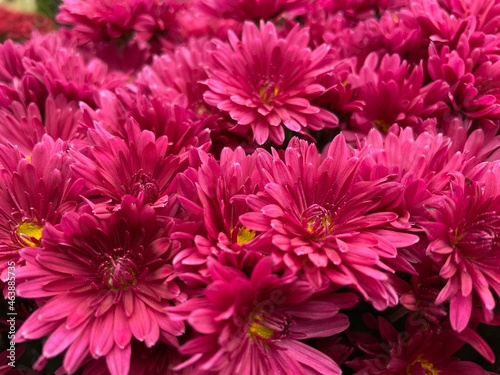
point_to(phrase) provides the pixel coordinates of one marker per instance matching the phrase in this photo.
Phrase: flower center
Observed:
(424, 365)
(119, 273)
(245, 235)
(257, 329)
(144, 184)
(29, 233)
(477, 239)
(318, 222)
(382, 125)
(266, 326)
(267, 92)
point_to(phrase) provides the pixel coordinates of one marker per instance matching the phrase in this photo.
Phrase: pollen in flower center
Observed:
(425, 365)
(382, 125)
(30, 233)
(267, 92)
(257, 329)
(245, 235)
(119, 273)
(267, 326)
(317, 221)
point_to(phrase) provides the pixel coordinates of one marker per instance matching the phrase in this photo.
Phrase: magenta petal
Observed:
(101, 336)
(310, 357)
(61, 339)
(460, 311)
(118, 360)
(139, 321)
(321, 328)
(77, 353)
(472, 338)
(121, 330)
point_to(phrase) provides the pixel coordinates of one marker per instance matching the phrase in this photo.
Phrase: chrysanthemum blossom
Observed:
(110, 19)
(463, 231)
(254, 10)
(25, 125)
(35, 189)
(265, 83)
(254, 324)
(416, 351)
(394, 92)
(206, 194)
(423, 163)
(114, 168)
(103, 282)
(177, 76)
(472, 74)
(485, 12)
(119, 111)
(315, 216)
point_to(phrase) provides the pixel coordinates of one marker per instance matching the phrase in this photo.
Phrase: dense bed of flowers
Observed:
(253, 187)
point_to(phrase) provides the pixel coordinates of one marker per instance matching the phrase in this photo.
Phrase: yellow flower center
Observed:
(382, 125)
(30, 233)
(257, 329)
(268, 92)
(245, 235)
(425, 365)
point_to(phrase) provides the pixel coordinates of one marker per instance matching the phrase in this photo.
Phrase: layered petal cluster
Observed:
(35, 189)
(423, 163)
(464, 243)
(113, 168)
(254, 324)
(415, 351)
(315, 216)
(120, 111)
(394, 93)
(177, 76)
(254, 10)
(43, 96)
(118, 20)
(103, 282)
(471, 69)
(207, 195)
(265, 82)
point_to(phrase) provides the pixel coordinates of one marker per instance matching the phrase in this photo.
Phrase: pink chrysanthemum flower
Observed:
(142, 167)
(472, 73)
(486, 13)
(119, 111)
(423, 163)
(206, 194)
(266, 83)
(35, 189)
(118, 20)
(418, 350)
(177, 76)
(159, 359)
(254, 10)
(11, 65)
(464, 233)
(394, 92)
(254, 324)
(103, 282)
(25, 126)
(316, 217)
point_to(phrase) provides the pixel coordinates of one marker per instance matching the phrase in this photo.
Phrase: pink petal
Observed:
(118, 360)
